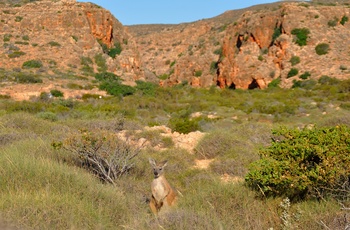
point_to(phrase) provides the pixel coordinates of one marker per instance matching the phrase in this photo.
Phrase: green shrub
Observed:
(218, 51)
(303, 163)
(309, 84)
(25, 37)
(345, 105)
(53, 43)
(183, 125)
(305, 75)
(86, 62)
(116, 50)
(112, 84)
(101, 63)
(87, 96)
(325, 80)
(107, 76)
(292, 72)
(7, 37)
(32, 64)
(18, 18)
(72, 85)
(213, 67)
(276, 33)
(344, 19)
(50, 116)
(21, 43)
(333, 23)
(274, 83)
(147, 88)
(301, 35)
(172, 64)
(294, 60)
(28, 78)
(322, 48)
(163, 76)
(198, 73)
(56, 93)
(16, 54)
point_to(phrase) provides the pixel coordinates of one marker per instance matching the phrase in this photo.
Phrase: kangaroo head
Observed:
(158, 169)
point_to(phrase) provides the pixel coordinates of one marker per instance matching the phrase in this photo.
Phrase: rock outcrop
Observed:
(248, 48)
(65, 36)
(259, 47)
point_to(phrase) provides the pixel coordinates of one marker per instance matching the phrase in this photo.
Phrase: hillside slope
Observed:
(246, 48)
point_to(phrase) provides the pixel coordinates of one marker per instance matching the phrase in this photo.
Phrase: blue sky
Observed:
(130, 12)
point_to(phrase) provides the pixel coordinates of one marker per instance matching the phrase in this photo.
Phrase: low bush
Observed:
(301, 35)
(102, 153)
(333, 23)
(184, 125)
(304, 163)
(322, 48)
(101, 63)
(117, 89)
(309, 84)
(294, 60)
(147, 88)
(198, 73)
(292, 72)
(32, 64)
(112, 84)
(27, 78)
(16, 54)
(56, 93)
(344, 19)
(274, 83)
(50, 116)
(305, 75)
(53, 43)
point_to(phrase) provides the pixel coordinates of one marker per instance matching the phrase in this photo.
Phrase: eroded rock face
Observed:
(258, 48)
(61, 33)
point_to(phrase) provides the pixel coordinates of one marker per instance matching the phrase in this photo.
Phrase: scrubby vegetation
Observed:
(301, 35)
(65, 164)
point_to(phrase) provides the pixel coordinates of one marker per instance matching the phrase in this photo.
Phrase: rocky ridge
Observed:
(246, 49)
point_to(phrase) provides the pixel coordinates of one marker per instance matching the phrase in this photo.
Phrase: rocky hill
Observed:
(247, 48)
(65, 37)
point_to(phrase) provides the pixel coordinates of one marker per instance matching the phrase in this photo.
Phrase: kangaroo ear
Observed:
(152, 162)
(164, 163)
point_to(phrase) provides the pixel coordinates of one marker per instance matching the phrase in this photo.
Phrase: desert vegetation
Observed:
(277, 157)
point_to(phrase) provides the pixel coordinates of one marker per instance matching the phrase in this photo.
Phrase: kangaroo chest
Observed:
(159, 189)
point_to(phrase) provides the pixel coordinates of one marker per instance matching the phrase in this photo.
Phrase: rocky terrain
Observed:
(247, 48)
(66, 37)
